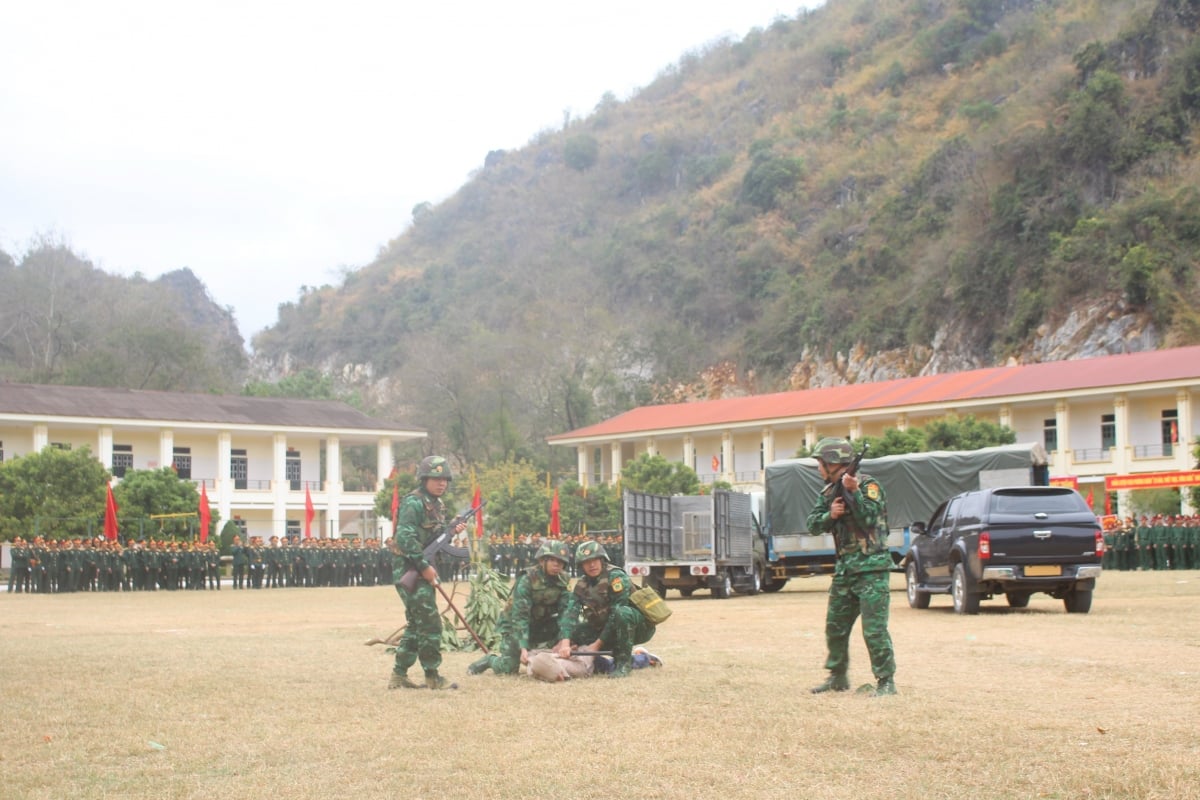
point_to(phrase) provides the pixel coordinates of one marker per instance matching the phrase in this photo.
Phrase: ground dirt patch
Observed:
(273, 693)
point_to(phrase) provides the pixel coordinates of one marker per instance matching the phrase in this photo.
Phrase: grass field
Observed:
(274, 694)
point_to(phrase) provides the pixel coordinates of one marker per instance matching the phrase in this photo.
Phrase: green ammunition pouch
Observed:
(653, 607)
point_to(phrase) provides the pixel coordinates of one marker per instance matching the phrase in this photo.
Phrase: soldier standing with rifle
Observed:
(419, 520)
(853, 509)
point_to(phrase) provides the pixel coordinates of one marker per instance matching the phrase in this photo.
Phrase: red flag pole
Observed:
(555, 523)
(475, 501)
(205, 514)
(309, 513)
(110, 515)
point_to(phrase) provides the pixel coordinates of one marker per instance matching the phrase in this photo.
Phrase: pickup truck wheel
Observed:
(1018, 599)
(724, 588)
(1078, 601)
(916, 598)
(965, 601)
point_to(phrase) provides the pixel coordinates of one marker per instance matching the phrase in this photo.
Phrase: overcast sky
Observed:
(270, 145)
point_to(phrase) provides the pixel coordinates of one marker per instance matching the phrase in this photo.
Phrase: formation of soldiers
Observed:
(1157, 542)
(99, 565)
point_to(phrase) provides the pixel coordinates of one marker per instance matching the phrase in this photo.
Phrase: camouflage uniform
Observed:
(860, 584)
(533, 614)
(600, 609)
(419, 518)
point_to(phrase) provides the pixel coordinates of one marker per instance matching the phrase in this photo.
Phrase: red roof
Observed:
(1180, 364)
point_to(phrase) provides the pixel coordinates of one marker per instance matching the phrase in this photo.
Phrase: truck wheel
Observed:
(757, 580)
(772, 585)
(725, 588)
(1018, 599)
(916, 598)
(1078, 601)
(686, 591)
(965, 601)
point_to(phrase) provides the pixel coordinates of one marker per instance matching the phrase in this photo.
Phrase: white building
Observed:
(1104, 421)
(258, 458)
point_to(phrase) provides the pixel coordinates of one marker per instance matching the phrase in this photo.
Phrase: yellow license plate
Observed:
(671, 573)
(1042, 570)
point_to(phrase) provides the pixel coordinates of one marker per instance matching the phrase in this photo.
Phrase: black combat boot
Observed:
(836, 682)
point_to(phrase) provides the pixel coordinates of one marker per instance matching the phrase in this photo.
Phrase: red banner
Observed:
(110, 516)
(1152, 480)
(309, 513)
(1069, 481)
(205, 514)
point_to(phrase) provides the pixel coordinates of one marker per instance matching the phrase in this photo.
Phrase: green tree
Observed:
(59, 493)
(305, 384)
(967, 433)
(144, 493)
(656, 475)
(896, 442)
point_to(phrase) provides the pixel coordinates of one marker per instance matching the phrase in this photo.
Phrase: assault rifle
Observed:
(441, 544)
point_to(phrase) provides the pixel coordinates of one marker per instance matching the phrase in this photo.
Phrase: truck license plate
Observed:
(671, 573)
(1043, 570)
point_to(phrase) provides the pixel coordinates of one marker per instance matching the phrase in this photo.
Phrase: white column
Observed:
(1006, 416)
(41, 438)
(651, 447)
(902, 422)
(581, 465)
(1064, 459)
(689, 451)
(727, 466)
(810, 436)
(854, 433)
(166, 447)
(1121, 456)
(384, 463)
(104, 445)
(333, 488)
(279, 485)
(224, 484)
(614, 451)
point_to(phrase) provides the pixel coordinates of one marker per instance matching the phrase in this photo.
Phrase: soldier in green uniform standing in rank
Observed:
(600, 614)
(419, 519)
(534, 613)
(857, 519)
(240, 562)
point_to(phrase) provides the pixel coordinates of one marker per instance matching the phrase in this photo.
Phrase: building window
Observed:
(292, 530)
(122, 459)
(1108, 431)
(1170, 430)
(181, 461)
(1050, 435)
(241, 526)
(291, 469)
(239, 468)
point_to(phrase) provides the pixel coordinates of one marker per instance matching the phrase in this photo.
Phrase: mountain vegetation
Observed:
(874, 189)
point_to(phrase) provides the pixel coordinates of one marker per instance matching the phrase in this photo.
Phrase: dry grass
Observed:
(272, 693)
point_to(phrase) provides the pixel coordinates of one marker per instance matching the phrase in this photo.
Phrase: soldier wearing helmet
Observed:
(853, 509)
(534, 612)
(600, 614)
(419, 519)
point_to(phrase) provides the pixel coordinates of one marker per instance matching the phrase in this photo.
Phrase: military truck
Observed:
(915, 484)
(694, 542)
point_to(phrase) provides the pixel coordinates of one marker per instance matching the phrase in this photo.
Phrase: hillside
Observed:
(868, 190)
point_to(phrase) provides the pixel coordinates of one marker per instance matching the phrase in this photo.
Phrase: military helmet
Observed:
(553, 548)
(834, 450)
(588, 550)
(434, 467)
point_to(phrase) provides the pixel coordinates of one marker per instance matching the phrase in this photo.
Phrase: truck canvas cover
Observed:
(915, 484)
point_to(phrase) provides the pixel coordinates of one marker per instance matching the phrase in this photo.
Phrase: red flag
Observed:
(205, 514)
(1108, 504)
(110, 516)
(1090, 499)
(475, 503)
(716, 464)
(309, 513)
(555, 525)
(395, 502)
(1174, 432)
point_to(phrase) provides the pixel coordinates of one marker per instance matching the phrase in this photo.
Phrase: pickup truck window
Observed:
(1050, 502)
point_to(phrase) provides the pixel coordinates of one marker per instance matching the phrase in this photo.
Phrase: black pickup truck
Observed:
(1012, 541)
